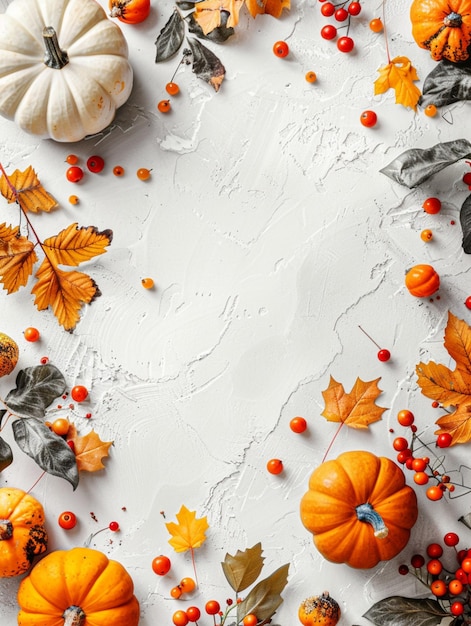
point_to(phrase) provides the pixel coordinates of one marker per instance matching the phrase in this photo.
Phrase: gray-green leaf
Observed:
(243, 569)
(36, 388)
(399, 611)
(465, 221)
(50, 451)
(447, 83)
(414, 166)
(466, 520)
(220, 34)
(206, 64)
(264, 599)
(170, 38)
(6, 455)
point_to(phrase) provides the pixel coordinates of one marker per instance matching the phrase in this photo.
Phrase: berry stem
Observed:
(370, 338)
(194, 564)
(332, 441)
(385, 32)
(36, 481)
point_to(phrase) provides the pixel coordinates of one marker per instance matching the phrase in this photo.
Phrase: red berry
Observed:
(403, 569)
(467, 178)
(328, 32)
(341, 14)
(95, 164)
(434, 567)
(354, 8)
(451, 539)
(384, 355)
(400, 444)
(74, 174)
(417, 561)
(79, 393)
(164, 106)
(432, 205)
(327, 9)
(118, 170)
(345, 44)
(180, 618)
(466, 565)
(71, 445)
(113, 526)
(298, 424)
(438, 588)
(403, 455)
(421, 478)
(434, 493)
(419, 465)
(434, 550)
(275, 466)
(368, 118)
(31, 334)
(212, 607)
(281, 49)
(462, 576)
(405, 417)
(193, 613)
(161, 565)
(457, 608)
(444, 440)
(468, 302)
(67, 520)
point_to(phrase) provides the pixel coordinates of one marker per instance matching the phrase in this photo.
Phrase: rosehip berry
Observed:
(275, 466)
(368, 119)
(327, 9)
(281, 49)
(432, 205)
(67, 520)
(354, 8)
(95, 164)
(74, 174)
(444, 440)
(400, 444)
(405, 417)
(79, 393)
(193, 613)
(212, 607)
(31, 334)
(341, 15)
(345, 44)
(451, 539)
(328, 32)
(161, 565)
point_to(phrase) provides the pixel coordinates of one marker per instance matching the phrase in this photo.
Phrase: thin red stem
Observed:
(332, 441)
(194, 564)
(36, 482)
(369, 337)
(385, 31)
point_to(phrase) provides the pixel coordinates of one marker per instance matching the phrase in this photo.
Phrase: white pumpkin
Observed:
(64, 67)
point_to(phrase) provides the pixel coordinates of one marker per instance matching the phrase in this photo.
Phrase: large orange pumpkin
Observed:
(443, 27)
(422, 280)
(359, 509)
(22, 532)
(78, 587)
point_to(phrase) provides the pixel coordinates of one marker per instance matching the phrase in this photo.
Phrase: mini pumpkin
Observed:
(9, 354)
(422, 280)
(359, 509)
(77, 587)
(64, 68)
(22, 532)
(320, 610)
(130, 11)
(443, 27)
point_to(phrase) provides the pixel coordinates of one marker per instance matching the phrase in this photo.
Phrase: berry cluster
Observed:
(342, 13)
(212, 607)
(96, 165)
(425, 471)
(172, 88)
(451, 587)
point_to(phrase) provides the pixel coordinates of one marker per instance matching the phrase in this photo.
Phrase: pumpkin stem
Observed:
(54, 57)
(74, 616)
(453, 20)
(366, 513)
(6, 529)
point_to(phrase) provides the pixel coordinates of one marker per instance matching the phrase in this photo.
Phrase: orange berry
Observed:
(60, 426)
(250, 620)
(438, 588)
(147, 283)
(143, 173)
(311, 77)
(430, 110)
(275, 466)
(164, 106)
(74, 199)
(31, 334)
(187, 585)
(172, 89)
(118, 170)
(426, 235)
(376, 25)
(434, 493)
(175, 592)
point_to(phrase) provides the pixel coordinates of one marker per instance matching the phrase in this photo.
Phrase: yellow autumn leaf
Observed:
(17, 258)
(26, 189)
(208, 13)
(189, 533)
(399, 75)
(75, 244)
(90, 451)
(356, 409)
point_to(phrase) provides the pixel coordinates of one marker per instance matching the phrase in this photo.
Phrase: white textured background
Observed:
(271, 235)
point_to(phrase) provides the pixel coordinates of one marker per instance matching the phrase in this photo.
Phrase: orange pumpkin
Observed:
(443, 27)
(359, 509)
(320, 610)
(422, 280)
(130, 11)
(9, 354)
(78, 587)
(22, 532)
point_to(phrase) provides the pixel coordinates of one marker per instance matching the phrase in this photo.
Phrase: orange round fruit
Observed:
(9, 354)
(320, 610)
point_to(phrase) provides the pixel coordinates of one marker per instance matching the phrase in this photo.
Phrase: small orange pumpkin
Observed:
(359, 509)
(422, 280)
(22, 532)
(9, 354)
(77, 587)
(130, 11)
(443, 27)
(320, 610)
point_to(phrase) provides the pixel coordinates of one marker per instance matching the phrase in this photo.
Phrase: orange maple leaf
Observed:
(457, 424)
(26, 189)
(75, 244)
(189, 533)
(399, 75)
(208, 12)
(356, 409)
(17, 258)
(90, 451)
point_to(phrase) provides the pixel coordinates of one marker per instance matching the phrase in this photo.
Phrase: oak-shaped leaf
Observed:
(17, 258)
(190, 531)
(465, 221)
(50, 451)
(243, 568)
(6, 454)
(356, 409)
(265, 598)
(206, 65)
(416, 165)
(76, 244)
(447, 83)
(36, 388)
(170, 37)
(26, 189)
(399, 611)
(399, 75)
(90, 451)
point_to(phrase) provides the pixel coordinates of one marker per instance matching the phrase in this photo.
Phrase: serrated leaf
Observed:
(90, 451)
(50, 451)
(447, 83)
(264, 599)
(190, 531)
(17, 258)
(218, 35)
(399, 75)
(206, 64)
(75, 244)
(243, 569)
(211, 14)
(399, 611)
(170, 38)
(416, 165)
(36, 388)
(465, 221)
(357, 408)
(26, 189)
(6, 455)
